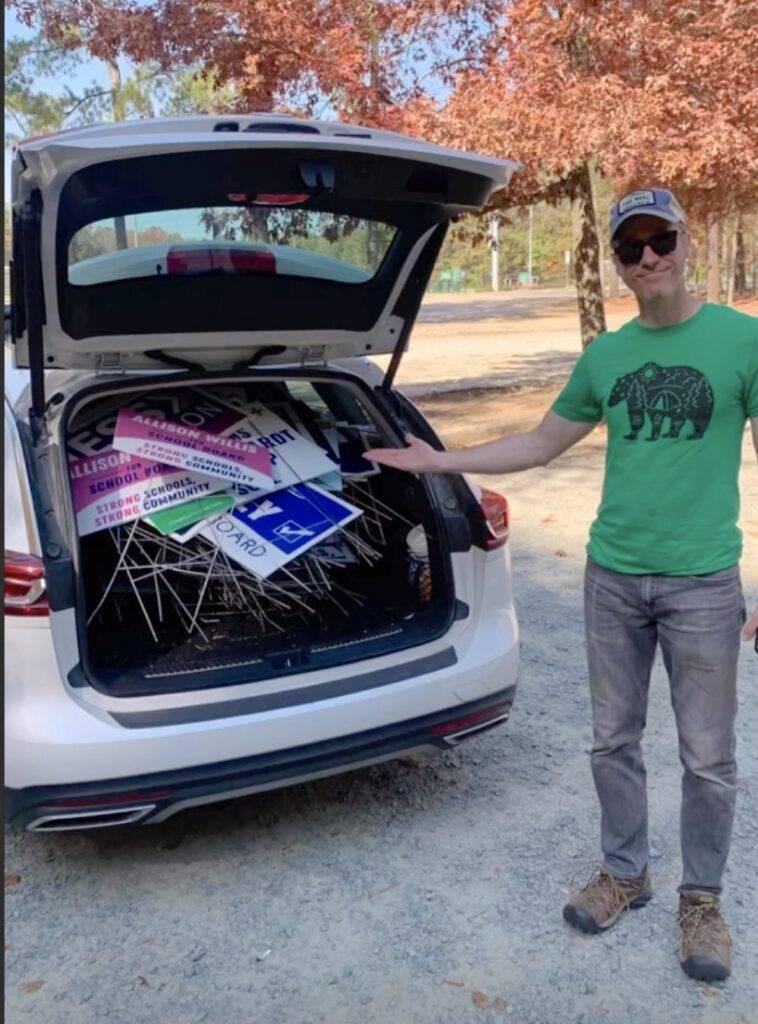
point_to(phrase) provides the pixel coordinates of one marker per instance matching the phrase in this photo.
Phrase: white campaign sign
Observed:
(294, 458)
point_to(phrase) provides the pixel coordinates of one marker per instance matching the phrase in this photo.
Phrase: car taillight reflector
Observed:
(24, 585)
(469, 720)
(496, 515)
(115, 798)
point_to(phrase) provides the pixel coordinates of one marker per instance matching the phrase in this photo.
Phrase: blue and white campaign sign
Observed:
(270, 531)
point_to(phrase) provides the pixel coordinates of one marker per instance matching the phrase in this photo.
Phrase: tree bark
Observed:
(740, 258)
(730, 242)
(714, 259)
(114, 74)
(589, 287)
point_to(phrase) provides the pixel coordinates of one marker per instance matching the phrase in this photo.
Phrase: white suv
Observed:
(269, 258)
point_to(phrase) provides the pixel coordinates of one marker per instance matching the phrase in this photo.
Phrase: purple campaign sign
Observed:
(112, 488)
(193, 449)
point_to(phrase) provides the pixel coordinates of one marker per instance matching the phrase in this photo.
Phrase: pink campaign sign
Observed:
(190, 448)
(112, 488)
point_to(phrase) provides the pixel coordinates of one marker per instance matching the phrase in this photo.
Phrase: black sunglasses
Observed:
(631, 252)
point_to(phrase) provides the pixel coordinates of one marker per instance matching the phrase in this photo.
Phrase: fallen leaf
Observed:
(142, 979)
(479, 999)
(548, 519)
(7, 946)
(456, 984)
(499, 1004)
(32, 986)
(706, 990)
(11, 880)
(560, 553)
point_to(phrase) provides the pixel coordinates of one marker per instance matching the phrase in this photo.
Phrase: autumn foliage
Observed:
(650, 91)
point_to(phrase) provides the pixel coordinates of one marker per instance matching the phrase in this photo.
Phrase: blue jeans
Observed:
(696, 620)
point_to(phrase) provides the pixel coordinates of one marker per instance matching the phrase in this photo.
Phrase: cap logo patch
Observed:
(644, 198)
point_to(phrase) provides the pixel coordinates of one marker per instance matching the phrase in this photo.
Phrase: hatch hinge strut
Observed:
(31, 218)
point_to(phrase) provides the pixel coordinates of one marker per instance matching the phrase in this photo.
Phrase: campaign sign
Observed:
(190, 512)
(335, 550)
(294, 458)
(114, 488)
(93, 434)
(265, 534)
(193, 449)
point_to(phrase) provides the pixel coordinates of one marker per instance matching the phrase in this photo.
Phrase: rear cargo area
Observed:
(166, 604)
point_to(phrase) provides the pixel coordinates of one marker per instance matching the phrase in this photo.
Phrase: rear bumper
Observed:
(154, 797)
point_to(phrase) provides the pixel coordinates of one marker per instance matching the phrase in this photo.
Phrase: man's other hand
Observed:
(418, 457)
(751, 627)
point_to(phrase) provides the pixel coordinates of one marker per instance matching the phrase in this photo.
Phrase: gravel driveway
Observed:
(419, 893)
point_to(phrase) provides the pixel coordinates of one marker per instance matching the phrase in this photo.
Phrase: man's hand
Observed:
(507, 454)
(418, 457)
(751, 627)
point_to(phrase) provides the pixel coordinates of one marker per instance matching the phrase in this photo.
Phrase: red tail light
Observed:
(496, 515)
(24, 585)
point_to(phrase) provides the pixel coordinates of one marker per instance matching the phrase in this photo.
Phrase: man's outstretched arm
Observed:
(507, 454)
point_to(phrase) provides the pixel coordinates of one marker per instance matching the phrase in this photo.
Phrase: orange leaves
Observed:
(656, 91)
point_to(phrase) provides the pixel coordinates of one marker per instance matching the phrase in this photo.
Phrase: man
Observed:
(675, 386)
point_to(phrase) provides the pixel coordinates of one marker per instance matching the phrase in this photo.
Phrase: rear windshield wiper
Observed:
(164, 357)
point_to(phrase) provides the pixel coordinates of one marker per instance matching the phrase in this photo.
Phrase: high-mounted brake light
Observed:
(24, 588)
(230, 261)
(496, 515)
(259, 261)
(189, 261)
(280, 198)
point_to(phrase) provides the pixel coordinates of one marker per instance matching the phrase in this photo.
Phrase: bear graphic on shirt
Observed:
(679, 393)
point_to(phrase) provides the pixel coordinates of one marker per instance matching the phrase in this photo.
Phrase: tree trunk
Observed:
(114, 74)
(729, 262)
(714, 261)
(740, 258)
(589, 287)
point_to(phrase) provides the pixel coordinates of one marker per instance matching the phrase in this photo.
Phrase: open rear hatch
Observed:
(225, 251)
(217, 246)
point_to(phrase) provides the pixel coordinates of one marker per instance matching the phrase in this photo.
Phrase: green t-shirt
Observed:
(675, 400)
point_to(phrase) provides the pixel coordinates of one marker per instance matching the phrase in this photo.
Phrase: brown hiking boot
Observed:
(602, 901)
(706, 950)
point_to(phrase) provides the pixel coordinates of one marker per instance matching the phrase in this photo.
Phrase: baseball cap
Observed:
(654, 202)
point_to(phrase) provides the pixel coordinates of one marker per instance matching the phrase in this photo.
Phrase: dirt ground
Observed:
(415, 892)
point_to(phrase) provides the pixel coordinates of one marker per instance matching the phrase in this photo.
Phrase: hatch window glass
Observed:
(254, 240)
